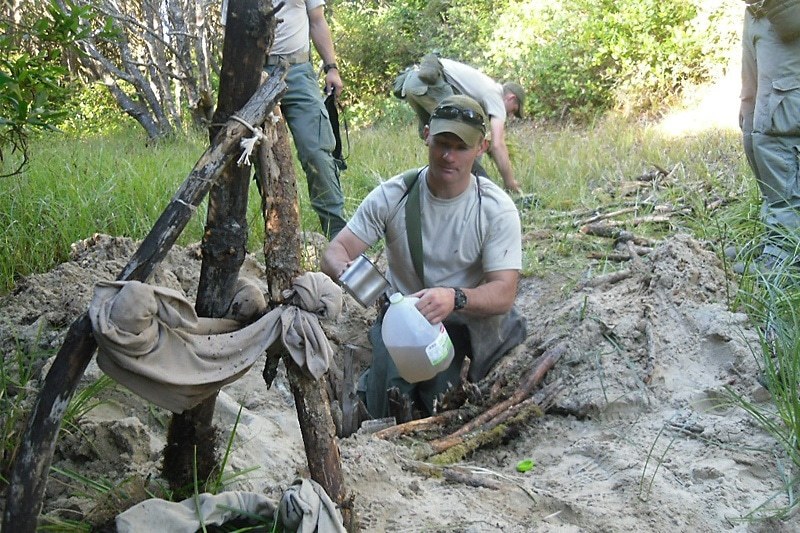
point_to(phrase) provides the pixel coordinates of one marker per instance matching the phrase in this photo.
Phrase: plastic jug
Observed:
(419, 349)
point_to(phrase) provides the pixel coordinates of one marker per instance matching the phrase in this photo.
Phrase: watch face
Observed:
(460, 299)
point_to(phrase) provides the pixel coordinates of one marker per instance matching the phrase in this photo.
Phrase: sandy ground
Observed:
(640, 437)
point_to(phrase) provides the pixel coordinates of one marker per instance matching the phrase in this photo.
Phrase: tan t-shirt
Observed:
(462, 237)
(477, 85)
(291, 34)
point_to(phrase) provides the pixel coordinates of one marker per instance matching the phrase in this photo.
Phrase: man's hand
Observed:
(333, 82)
(513, 186)
(436, 303)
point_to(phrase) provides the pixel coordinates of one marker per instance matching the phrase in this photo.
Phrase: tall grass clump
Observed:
(771, 297)
(16, 371)
(74, 187)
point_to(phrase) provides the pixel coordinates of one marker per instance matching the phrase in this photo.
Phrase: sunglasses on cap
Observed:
(462, 115)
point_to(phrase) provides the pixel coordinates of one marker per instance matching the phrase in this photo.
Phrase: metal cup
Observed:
(363, 281)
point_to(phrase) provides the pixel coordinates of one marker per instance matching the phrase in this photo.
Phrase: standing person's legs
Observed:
(776, 135)
(748, 92)
(305, 113)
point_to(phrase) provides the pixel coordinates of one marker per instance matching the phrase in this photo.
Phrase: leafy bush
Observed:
(576, 58)
(602, 54)
(33, 80)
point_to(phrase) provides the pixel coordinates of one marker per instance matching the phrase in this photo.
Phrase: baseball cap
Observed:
(462, 116)
(517, 90)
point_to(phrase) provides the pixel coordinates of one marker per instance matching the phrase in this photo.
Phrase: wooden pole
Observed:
(249, 32)
(282, 247)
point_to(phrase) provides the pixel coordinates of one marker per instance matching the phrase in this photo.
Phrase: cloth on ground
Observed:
(151, 340)
(306, 507)
(191, 514)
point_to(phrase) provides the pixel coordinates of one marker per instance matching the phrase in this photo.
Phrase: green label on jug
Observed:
(439, 349)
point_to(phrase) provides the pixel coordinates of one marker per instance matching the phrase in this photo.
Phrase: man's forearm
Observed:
(492, 298)
(500, 156)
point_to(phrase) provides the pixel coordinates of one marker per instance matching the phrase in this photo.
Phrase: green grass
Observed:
(118, 184)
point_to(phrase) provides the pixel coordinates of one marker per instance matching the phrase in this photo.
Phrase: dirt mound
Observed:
(638, 438)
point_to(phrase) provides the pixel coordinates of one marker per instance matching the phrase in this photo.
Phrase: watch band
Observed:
(329, 66)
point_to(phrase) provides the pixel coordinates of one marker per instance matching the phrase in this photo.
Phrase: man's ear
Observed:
(426, 133)
(484, 146)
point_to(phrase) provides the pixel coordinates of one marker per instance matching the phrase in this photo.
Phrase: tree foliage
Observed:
(576, 58)
(158, 61)
(33, 85)
(159, 58)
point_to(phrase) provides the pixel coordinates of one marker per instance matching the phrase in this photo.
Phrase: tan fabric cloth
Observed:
(151, 340)
(305, 508)
(189, 515)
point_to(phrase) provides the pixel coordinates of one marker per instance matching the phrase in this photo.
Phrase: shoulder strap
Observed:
(413, 222)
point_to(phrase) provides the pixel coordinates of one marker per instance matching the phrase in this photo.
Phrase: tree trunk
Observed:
(225, 237)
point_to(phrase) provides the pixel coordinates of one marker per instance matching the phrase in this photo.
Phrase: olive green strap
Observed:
(414, 223)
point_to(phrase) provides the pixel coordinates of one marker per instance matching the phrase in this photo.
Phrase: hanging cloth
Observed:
(151, 340)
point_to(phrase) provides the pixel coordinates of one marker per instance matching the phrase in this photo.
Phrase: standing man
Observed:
(470, 252)
(437, 78)
(302, 21)
(770, 120)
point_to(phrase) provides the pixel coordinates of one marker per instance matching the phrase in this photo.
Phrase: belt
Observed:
(292, 59)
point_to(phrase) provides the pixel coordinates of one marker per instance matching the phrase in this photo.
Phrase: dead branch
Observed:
(459, 475)
(612, 232)
(607, 279)
(494, 431)
(543, 365)
(420, 424)
(635, 259)
(628, 246)
(611, 214)
(636, 221)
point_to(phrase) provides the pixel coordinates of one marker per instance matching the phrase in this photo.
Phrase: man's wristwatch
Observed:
(460, 299)
(329, 66)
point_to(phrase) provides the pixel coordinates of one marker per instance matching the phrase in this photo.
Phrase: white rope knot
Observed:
(248, 144)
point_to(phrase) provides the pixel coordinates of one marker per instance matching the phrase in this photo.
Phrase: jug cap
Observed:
(395, 298)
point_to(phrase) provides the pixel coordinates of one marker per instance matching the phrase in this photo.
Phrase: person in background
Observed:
(770, 121)
(300, 23)
(471, 253)
(435, 78)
